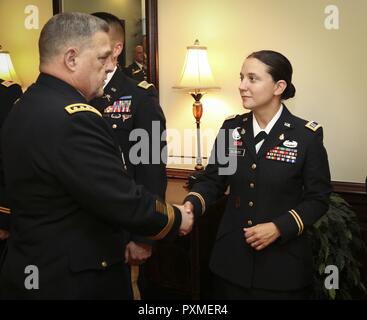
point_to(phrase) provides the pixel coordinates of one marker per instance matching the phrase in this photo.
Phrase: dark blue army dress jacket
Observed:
(287, 182)
(9, 93)
(127, 106)
(70, 197)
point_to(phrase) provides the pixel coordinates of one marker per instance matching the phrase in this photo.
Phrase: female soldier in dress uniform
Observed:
(280, 187)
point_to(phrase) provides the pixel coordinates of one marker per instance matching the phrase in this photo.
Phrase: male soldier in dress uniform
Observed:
(69, 193)
(137, 70)
(9, 93)
(128, 105)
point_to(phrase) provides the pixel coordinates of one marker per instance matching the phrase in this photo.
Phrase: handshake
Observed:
(187, 214)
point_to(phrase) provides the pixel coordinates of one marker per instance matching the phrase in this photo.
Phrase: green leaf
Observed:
(332, 294)
(335, 239)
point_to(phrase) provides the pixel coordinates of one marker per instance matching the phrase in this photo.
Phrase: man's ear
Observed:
(119, 46)
(280, 87)
(70, 57)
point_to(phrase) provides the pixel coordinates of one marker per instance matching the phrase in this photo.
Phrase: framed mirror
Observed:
(141, 26)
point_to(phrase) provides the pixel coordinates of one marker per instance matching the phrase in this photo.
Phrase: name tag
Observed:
(239, 152)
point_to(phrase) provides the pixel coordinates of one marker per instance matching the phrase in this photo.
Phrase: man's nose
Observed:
(109, 65)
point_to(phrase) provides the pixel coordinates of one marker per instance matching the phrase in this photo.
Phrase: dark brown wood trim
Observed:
(56, 6)
(152, 41)
(349, 187)
(338, 186)
(183, 174)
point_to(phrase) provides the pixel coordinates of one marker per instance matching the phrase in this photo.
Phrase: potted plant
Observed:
(336, 240)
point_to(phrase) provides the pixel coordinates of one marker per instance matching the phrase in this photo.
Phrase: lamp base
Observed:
(199, 167)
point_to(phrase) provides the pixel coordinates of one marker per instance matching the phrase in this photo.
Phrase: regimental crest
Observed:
(235, 134)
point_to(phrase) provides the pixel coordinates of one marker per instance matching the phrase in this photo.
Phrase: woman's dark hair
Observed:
(279, 68)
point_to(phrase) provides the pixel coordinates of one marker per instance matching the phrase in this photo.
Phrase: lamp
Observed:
(7, 71)
(196, 79)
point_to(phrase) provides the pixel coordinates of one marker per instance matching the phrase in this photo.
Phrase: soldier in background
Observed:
(138, 69)
(9, 93)
(127, 105)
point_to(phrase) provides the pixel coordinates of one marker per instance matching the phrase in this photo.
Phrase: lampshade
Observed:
(196, 74)
(7, 71)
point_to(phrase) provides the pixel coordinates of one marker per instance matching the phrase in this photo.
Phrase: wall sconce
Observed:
(7, 71)
(197, 79)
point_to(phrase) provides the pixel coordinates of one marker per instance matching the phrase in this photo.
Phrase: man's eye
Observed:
(252, 78)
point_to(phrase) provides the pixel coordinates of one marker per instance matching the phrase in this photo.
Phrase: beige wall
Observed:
(20, 42)
(329, 66)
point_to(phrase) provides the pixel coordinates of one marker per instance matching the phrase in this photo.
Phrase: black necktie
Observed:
(260, 136)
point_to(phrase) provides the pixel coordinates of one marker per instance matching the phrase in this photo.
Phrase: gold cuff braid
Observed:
(201, 199)
(5, 210)
(166, 209)
(298, 220)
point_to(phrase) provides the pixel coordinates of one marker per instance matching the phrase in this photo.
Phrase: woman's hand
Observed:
(261, 235)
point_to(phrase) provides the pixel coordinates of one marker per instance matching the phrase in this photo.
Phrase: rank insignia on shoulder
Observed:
(145, 85)
(79, 107)
(231, 117)
(312, 125)
(7, 83)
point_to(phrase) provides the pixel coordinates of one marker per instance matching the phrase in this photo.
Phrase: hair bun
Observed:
(289, 92)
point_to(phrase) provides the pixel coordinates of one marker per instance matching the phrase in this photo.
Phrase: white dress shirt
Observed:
(109, 77)
(267, 129)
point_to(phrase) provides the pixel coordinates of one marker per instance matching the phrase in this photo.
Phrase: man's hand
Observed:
(4, 234)
(189, 207)
(261, 235)
(187, 220)
(137, 253)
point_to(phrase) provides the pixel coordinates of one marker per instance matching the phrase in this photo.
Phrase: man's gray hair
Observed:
(68, 29)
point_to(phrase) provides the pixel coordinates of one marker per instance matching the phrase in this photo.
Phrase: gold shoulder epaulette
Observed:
(8, 83)
(145, 85)
(79, 107)
(231, 117)
(312, 125)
